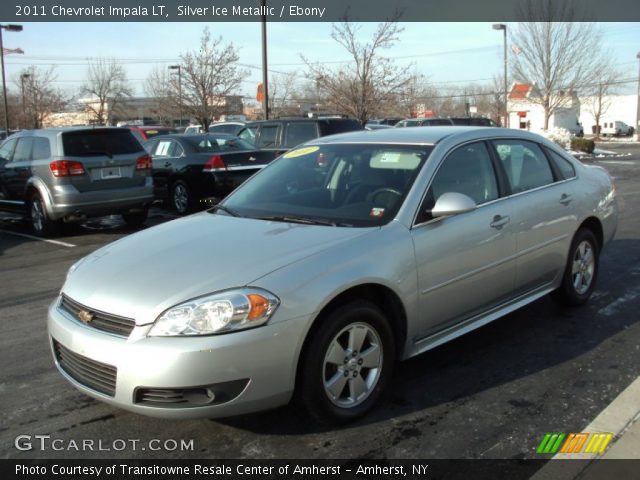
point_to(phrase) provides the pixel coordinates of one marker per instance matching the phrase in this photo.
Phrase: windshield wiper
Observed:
(303, 220)
(228, 210)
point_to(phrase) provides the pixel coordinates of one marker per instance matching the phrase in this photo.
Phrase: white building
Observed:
(526, 113)
(618, 108)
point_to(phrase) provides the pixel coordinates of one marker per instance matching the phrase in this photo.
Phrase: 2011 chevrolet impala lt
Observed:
(320, 272)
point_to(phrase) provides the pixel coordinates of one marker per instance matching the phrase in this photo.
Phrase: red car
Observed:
(146, 132)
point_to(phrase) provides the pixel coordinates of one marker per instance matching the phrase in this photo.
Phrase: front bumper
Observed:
(263, 360)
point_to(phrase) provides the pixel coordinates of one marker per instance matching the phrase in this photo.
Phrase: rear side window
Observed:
(525, 164)
(340, 126)
(248, 134)
(564, 165)
(7, 149)
(298, 133)
(99, 142)
(23, 149)
(41, 148)
(268, 136)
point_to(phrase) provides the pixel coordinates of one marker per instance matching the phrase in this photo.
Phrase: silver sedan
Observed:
(338, 259)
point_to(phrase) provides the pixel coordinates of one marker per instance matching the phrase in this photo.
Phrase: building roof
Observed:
(520, 91)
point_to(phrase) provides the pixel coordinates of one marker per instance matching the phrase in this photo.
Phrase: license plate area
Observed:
(110, 172)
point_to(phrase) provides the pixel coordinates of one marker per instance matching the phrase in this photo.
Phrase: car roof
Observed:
(423, 135)
(57, 130)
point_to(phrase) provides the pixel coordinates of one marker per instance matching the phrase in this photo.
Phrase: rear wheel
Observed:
(348, 363)
(181, 197)
(581, 271)
(40, 222)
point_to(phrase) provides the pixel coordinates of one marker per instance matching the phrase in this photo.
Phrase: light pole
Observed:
(23, 77)
(503, 27)
(265, 84)
(179, 68)
(636, 137)
(8, 28)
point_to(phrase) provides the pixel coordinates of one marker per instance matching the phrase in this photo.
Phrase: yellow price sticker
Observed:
(301, 152)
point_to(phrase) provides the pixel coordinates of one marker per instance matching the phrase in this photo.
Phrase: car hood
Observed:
(143, 274)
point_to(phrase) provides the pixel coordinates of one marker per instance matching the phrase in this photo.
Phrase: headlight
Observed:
(217, 313)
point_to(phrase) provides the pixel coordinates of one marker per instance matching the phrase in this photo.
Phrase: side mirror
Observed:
(452, 203)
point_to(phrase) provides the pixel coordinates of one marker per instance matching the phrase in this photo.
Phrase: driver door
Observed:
(465, 263)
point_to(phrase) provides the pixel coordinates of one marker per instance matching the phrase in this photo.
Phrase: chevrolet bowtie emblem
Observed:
(84, 316)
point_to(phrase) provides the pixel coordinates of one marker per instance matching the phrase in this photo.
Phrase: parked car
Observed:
(201, 169)
(232, 128)
(383, 121)
(337, 259)
(68, 174)
(474, 121)
(281, 135)
(146, 132)
(616, 128)
(424, 122)
(191, 129)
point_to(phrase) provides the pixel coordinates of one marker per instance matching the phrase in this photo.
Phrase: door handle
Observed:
(167, 164)
(566, 199)
(499, 221)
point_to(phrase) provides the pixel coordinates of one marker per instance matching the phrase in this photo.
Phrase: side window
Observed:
(525, 164)
(7, 149)
(23, 149)
(162, 148)
(298, 133)
(467, 170)
(175, 150)
(268, 136)
(248, 134)
(564, 166)
(41, 148)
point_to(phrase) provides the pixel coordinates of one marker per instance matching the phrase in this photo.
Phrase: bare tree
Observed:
(282, 92)
(555, 50)
(39, 98)
(107, 86)
(369, 82)
(210, 75)
(158, 86)
(598, 100)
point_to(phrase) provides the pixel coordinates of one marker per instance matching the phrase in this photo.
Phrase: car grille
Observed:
(105, 322)
(90, 373)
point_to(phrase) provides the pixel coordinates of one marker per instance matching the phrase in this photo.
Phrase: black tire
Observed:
(581, 271)
(39, 220)
(135, 219)
(359, 319)
(180, 198)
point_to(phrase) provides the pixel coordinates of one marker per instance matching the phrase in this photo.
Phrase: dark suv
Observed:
(284, 134)
(69, 174)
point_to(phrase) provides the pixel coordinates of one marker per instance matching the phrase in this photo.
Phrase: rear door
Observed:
(109, 158)
(18, 171)
(167, 157)
(544, 217)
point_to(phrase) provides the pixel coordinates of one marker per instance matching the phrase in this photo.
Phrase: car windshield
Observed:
(358, 185)
(210, 143)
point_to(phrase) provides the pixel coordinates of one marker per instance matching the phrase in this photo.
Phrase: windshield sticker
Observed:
(376, 212)
(389, 157)
(301, 152)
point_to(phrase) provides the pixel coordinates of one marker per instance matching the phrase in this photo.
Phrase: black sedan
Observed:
(197, 170)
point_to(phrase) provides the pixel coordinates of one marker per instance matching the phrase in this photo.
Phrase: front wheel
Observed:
(581, 271)
(348, 363)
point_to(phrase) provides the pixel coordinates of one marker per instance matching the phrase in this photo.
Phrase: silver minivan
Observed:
(69, 174)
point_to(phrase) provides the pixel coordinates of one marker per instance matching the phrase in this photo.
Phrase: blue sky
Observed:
(449, 54)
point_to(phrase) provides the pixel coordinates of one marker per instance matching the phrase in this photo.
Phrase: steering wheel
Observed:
(380, 191)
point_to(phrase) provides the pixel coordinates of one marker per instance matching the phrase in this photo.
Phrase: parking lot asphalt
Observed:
(493, 393)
